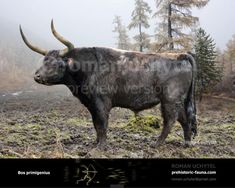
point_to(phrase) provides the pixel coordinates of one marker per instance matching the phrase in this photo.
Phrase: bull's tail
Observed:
(191, 109)
(190, 103)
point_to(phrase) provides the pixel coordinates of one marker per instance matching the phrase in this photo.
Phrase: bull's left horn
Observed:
(61, 39)
(32, 47)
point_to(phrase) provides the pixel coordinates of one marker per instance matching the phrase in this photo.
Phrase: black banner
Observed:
(117, 173)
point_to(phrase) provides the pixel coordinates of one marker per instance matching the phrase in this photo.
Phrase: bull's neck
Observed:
(75, 86)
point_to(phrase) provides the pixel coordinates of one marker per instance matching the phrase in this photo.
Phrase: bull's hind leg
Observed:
(182, 118)
(169, 113)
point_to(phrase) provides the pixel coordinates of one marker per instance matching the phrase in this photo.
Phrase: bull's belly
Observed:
(136, 102)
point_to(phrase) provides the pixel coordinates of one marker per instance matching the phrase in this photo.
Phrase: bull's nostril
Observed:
(37, 76)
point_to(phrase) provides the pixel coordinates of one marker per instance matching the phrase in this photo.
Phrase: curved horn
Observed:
(61, 39)
(32, 47)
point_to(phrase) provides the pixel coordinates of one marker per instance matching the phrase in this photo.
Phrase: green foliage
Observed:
(176, 16)
(147, 123)
(77, 121)
(208, 73)
(140, 17)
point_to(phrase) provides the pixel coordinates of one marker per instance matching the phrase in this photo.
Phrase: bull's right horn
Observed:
(32, 47)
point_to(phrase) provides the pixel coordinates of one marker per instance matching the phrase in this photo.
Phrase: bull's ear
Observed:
(71, 65)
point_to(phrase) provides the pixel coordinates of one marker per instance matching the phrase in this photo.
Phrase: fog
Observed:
(89, 22)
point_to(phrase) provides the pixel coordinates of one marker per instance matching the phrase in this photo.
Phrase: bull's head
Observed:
(55, 63)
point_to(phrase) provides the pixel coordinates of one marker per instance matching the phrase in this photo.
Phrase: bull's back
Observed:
(142, 80)
(143, 89)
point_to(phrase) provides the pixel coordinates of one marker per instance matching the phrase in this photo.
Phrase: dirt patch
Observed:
(50, 125)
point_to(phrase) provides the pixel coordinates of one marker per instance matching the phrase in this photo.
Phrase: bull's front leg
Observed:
(101, 124)
(100, 115)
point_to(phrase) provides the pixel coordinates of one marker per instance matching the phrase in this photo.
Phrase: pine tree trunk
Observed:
(170, 36)
(141, 38)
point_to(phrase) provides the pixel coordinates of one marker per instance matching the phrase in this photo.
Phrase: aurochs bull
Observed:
(103, 78)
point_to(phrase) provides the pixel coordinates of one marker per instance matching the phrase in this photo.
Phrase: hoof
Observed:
(158, 144)
(101, 146)
(187, 144)
(160, 141)
(96, 153)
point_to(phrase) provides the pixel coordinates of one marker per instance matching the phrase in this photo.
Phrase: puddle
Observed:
(18, 93)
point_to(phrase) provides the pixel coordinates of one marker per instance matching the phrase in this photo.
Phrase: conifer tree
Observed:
(208, 72)
(123, 38)
(140, 20)
(229, 54)
(176, 16)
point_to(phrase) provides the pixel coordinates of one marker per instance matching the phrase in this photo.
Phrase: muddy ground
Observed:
(42, 124)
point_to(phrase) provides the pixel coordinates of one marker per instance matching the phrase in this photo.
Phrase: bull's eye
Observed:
(60, 66)
(46, 59)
